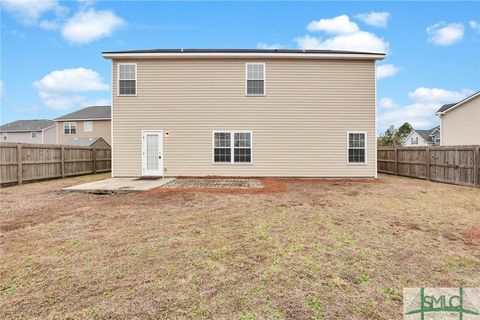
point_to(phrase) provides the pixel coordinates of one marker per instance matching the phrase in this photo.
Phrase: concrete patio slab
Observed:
(119, 185)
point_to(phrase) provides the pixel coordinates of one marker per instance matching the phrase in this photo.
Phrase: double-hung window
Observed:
(34, 135)
(127, 79)
(414, 140)
(88, 126)
(70, 127)
(255, 79)
(357, 148)
(232, 147)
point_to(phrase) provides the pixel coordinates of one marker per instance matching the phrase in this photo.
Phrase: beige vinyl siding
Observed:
(23, 137)
(298, 129)
(461, 125)
(101, 129)
(50, 135)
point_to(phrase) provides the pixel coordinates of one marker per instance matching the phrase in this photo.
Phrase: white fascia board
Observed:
(347, 56)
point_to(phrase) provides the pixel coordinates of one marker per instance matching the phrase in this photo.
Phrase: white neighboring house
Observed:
(422, 138)
(29, 131)
(460, 122)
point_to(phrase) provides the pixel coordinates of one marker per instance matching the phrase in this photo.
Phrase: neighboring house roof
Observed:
(279, 53)
(425, 134)
(27, 125)
(88, 113)
(447, 107)
(83, 142)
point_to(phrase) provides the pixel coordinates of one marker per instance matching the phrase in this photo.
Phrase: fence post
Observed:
(476, 166)
(94, 159)
(19, 165)
(396, 160)
(63, 161)
(427, 163)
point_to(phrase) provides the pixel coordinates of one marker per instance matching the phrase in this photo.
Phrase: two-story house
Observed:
(282, 113)
(89, 122)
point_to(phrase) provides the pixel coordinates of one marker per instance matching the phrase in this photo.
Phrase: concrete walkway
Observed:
(119, 185)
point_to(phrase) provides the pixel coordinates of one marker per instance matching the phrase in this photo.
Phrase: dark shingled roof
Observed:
(240, 51)
(27, 125)
(425, 134)
(446, 107)
(93, 112)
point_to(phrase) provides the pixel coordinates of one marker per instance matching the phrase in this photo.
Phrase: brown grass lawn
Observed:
(309, 250)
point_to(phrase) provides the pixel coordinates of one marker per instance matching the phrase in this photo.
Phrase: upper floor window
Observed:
(5, 136)
(70, 127)
(88, 126)
(357, 148)
(255, 75)
(127, 79)
(34, 135)
(414, 140)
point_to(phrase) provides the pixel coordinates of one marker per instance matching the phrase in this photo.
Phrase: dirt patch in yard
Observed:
(294, 249)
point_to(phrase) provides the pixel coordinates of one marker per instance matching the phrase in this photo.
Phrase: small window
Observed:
(70, 127)
(232, 147)
(5, 136)
(255, 85)
(127, 79)
(34, 135)
(88, 126)
(414, 140)
(356, 148)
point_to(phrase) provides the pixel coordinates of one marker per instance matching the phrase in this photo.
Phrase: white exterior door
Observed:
(152, 153)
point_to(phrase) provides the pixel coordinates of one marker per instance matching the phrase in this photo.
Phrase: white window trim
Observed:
(85, 127)
(118, 80)
(33, 132)
(366, 148)
(232, 147)
(69, 127)
(264, 79)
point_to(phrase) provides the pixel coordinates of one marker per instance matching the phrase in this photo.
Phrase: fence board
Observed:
(455, 165)
(29, 162)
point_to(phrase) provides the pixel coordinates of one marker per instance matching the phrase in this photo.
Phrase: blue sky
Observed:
(51, 62)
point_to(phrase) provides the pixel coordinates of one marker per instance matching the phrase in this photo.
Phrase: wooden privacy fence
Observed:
(21, 162)
(455, 164)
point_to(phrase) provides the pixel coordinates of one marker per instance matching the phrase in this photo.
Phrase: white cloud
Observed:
(474, 25)
(377, 19)
(436, 95)
(91, 25)
(29, 11)
(359, 41)
(420, 113)
(262, 45)
(386, 70)
(61, 89)
(343, 34)
(445, 34)
(337, 25)
(71, 80)
(49, 24)
(387, 103)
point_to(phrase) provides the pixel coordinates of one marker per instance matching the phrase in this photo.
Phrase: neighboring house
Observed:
(421, 138)
(88, 142)
(94, 121)
(283, 113)
(460, 122)
(29, 131)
